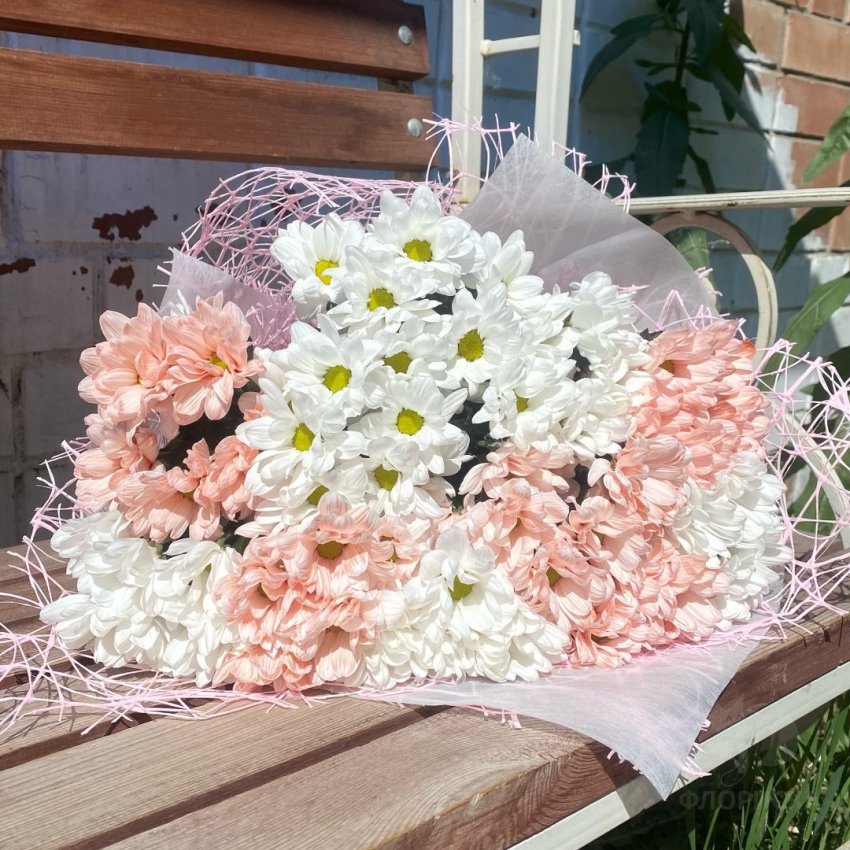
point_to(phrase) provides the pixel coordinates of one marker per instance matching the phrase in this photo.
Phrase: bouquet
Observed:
(449, 471)
(389, 450)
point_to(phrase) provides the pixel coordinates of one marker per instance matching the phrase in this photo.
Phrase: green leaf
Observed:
(841, 361)
(823, 301)
(692, 244)
(662, 144)
(835, 142)
(637, 26)
(803, 226)
(625, 35)
(705, 18)
(703, 172)
(736, 32)
(732, 100)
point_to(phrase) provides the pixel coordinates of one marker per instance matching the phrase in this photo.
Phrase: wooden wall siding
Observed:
(67, 103)
(355, 36)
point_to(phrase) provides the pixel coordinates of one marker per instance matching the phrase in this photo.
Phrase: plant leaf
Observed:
(841, 361)
(625, 35)
(662, 144)
(705, 18)
(733, 100)
(802, 227)
(835, 142)
(736, 32)
(692, 244)
(823, 301)
(703, 172)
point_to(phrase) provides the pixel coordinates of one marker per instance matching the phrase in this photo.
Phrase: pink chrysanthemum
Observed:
(208, 359)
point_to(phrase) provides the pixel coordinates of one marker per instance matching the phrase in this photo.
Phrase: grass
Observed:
(792, 795)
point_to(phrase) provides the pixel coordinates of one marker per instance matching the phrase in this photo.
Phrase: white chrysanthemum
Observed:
(414, 419)
(298, 440)
(462, 618)
(484, 333)
(508, 265)
(339, 370)
(738, 522)
(415, 348)
(526, 399)
(311, 256)
(377, 292)
(133, 606)
(433, 245)
(600, 306)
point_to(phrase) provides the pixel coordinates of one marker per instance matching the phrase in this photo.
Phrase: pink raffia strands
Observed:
(573, 233)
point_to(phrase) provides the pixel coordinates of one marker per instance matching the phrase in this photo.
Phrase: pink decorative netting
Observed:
(571, 233)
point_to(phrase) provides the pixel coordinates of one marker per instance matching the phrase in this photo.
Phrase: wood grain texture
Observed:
(122, 785)
(355, 36)
(69, 103)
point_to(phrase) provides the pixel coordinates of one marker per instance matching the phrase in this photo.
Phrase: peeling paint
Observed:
(128, 225)
(84, 270)
(21, 265)
(123, 276)
(140, 296)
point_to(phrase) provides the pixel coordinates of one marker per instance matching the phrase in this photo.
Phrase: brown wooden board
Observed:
(350, 774)
(68, 103)
(355, 36)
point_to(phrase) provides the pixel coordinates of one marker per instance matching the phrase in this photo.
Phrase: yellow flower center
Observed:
(386, 478)
(337, 378)
(409, 421)
(668, 366)
(521, 403)
(303, 438)
(470, 346)
(459, 590)
(317, 494)
(217, 361)
(553, 576)
(400, 362)
(380, 298)
(321, 270)
(419, 250)
(261, 592)
(332, 549)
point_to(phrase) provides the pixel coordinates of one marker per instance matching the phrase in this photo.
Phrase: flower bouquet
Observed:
(389, 450)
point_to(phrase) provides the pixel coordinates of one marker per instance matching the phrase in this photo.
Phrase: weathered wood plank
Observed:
(68, 103)
(121, 785)
(355, 36)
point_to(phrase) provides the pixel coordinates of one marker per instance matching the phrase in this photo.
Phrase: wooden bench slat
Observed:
(125, 784)
(355, 36)
(68, 103)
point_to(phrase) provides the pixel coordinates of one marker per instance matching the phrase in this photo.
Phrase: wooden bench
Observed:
(353, 774)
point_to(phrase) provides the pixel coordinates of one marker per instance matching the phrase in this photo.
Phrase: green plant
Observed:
(788, 796)
(835, 144)
(704, 38)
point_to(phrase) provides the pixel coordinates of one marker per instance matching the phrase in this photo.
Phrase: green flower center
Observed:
(553, 576)
(321, 270)
(331, 550)
(303, 438)
(380, 298)
(419, 250)
(470, 346)
(386, 478)
(459, 590)
(217, 361)
(400, 362)
(521, 403)
(409, 421)
(337, 378)
(317, 494)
